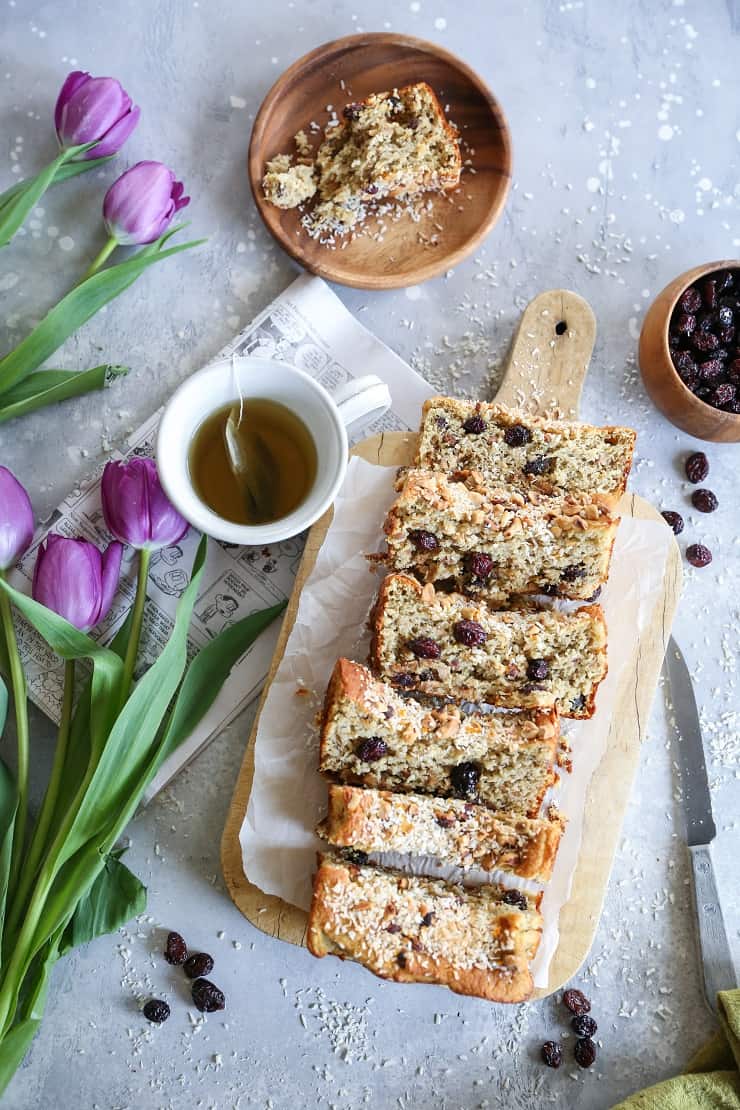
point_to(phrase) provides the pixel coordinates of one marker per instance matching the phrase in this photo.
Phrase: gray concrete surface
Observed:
(626, 143)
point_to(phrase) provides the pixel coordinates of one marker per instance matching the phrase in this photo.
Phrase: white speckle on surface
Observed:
(52, 231)
(665, 132)
(593, 184)
(414, 292)
(8, 281)
(66, 243)
(237, 102)
(677, 216)
(440, 23)
(634, 327)
(704, 184)
(590, 83)
(414, 6)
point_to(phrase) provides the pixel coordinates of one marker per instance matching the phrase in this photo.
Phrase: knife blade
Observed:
(717, 965)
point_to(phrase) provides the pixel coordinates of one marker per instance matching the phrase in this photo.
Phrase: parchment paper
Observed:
(288, 796)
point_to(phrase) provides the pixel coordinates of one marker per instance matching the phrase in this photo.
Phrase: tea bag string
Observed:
(237, 387)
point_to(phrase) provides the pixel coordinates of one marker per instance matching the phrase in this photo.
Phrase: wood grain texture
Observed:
(667, 391)
(611, 783)
(370, 63)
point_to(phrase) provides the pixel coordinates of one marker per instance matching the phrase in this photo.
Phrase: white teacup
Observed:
(326, 415)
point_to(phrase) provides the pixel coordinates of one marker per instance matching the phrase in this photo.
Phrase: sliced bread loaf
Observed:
(450, 645)
(371, 736)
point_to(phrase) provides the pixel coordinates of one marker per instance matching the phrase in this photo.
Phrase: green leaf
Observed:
(114, 898)
(46, 387)
(65, 171)
(14, 209)
(8, 807)
(14, 1045)
(73, 310)
(3, 705)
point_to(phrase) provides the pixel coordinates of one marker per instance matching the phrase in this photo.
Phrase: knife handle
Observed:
(719, 972)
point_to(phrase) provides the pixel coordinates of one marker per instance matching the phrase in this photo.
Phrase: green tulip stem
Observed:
(137, 614)
(99, 259)
(38, 842)
(18, 683)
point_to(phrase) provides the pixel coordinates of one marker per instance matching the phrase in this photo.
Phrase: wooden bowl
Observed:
(410, 252)
(672, 397)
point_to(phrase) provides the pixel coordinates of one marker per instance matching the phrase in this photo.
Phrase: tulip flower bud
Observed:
(16, 519)
(140, 205)
(94, 109)
(75, 580)
(136, 508)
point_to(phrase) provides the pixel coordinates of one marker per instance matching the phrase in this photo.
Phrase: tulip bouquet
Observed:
(94, 116)
(62, 881)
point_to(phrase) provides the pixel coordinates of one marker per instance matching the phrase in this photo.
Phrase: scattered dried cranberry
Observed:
(370, 749)
(686, 368)
(704, 341)
(156, 1010)
(515, 898)
(427, 919)
(585, 1052)
(674, 520)
(465, 778)
(733, 371)
(401, 959)
(356, 856)
(710, 370)
(577, 703)
(690, 299)
(469, 633)
(538, 465)
(697, 467)
(704, 500)
(576, 1001)
(352, 111)
(198, 965)
(424, 647)
(552, 1054)
(423, 541)
(404, 680)
(478, 564)
(516, 435)
(412, 123)
(207, 997)
(474, 425)
(698, 555)
(444, 820)
(538, 669)
(723, 394)
(394, 927)
(574, 572)
(709, 292)
(176, 950)
(685, 323)
(584, 1025)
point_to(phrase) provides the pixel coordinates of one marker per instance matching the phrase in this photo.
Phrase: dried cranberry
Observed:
(352, 111)
(156, 1010)
(733, 371)
(465, 778)
(198, 965)
(478, 564)
(577, 703)
(674, 520)
(423, 541)
(686, 368)
(585, 1052)
(207, 997)
(704, 500)
(697, 467)
(723, 394)
(370, 189)
(370, 749)
(733, 406)
(540, 464)
(423, 647)
(412, 123)
(698, 555)
(685, 323)
(576, 1001)
(474, 425)
(552, 1054)
(356, 856)
(444, 820)
(427, 919)
(516, 435)
(710, 370)
(515, 898)
(550, 590)
(401, 959)
(704, 341)
(538, 669)
(573, 573)
(176, 950)
(469, 633)
(404, 680)
(690, 299)
(584, 1025)
(394, 927)
(709, 292)
(725, 316)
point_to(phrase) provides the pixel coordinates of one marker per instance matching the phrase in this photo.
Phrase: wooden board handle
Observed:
(550, 355)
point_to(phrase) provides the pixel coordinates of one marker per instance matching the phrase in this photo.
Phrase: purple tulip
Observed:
(139, 207)
(136, 508)
(91, 109)
(75, 580)
(16, 519)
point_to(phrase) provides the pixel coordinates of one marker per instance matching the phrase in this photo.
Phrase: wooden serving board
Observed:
(545, 372)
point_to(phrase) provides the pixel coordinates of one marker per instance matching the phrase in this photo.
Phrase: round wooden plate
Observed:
(410, 252)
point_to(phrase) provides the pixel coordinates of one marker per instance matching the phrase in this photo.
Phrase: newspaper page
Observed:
(308, 327)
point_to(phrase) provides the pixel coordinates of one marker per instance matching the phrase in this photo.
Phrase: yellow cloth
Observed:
(712, 1078)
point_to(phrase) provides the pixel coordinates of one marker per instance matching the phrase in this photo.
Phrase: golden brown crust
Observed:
(353, 907)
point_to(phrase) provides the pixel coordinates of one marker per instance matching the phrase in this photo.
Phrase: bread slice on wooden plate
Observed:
(523, 452)
(450, 645)
(454, 832)
(420, 930)
(371, 736)
(494, 542)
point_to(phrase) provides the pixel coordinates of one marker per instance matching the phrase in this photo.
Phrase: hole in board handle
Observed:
(561, 327)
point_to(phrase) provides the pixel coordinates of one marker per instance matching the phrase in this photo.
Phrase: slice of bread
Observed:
(459, 833)
(371, 736)
(450, 645)
(522, 452)
(493, 543)
(419, 930)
